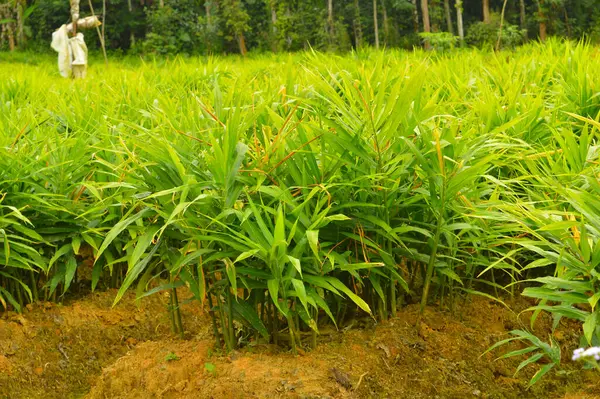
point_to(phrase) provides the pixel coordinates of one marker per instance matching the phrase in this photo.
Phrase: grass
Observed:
(291, 191)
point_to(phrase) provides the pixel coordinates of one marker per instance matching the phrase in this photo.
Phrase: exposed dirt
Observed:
(85, 349)
(58, 351)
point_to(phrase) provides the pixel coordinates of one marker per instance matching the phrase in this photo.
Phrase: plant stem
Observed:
(230, 318)
(275, 325)
(34, 288)
(224, 327)
(171, 314)
(393, 297)
(292, 332)
(433, 256)
(177, 313)
(213, 320)
(314, 332)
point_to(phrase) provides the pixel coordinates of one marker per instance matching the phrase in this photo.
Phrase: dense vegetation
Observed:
(288, 192)
(216, 26)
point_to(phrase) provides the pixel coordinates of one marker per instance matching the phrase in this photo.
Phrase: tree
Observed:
(12, 22)
(20, 5)
(436, 15)
(522, 17)
(357, 24)
(376, 25)
(386, 23)
(415, 15)
(542, 20)
(449, 24)
(486, 11)
(7, 24)
(273, 7)
(330, 23)
(425, 16)
(459, 20)
(213, 26)
(236, 18)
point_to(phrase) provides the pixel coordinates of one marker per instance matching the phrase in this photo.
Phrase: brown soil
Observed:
(58, 351)
(85, 349)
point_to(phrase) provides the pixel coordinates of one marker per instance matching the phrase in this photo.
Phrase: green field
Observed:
(289, 192)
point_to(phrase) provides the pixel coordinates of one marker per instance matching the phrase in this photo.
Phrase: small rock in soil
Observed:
(342, 378)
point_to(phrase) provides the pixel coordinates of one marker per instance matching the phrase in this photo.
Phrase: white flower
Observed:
(590, 353)
(577, 353)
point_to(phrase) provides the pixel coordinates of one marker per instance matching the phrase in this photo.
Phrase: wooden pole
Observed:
(100, 35)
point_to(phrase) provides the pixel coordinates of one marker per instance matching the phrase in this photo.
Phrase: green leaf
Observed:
(518, 352)
(273, 286)
(28, 232)
(446, 271)
(322, 304)
(296, 263)
(566, 311)
(536, 377)
(500, 343)
(248, 314)
(160, 288)
(313, 241)
(593, 300)
(231, 275)
(91, 241)
(319, 281)
(76, 243)
(300, 292)
(142, 284)
(29, 10)
(337, 217)
(565, 284)
(210, 367)
(142, 244)
(6, 246)
(118, 228)
(355, 298)
(201, 283)
(71, 267)
(7, 295)
(61, 251)
(279, 235)
(15, 212)
(567, 297)
(360, 266)
(306, 318)
(529, 360)
(96, 273)
(589, 326)
(246, 255)
(374, 278)
(134, 272)
(193, 256)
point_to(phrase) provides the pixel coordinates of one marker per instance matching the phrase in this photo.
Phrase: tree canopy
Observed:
(237, 26)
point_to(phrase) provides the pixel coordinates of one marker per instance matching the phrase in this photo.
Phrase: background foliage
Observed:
(216, 26)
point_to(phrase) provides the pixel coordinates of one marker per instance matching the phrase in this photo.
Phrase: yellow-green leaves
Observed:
(142, 243)
(119, 228)
(590, 325)
(273, 286)
(313, 241)
(231, 274)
